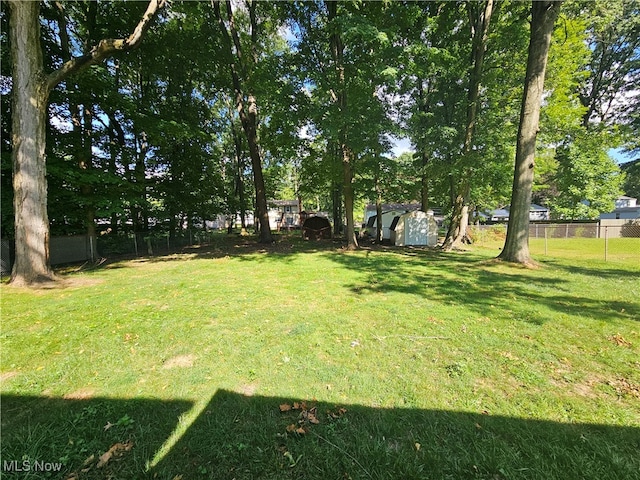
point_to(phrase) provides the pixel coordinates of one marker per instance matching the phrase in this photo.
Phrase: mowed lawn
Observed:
(300, 360)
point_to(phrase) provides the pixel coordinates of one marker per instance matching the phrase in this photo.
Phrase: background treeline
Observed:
(309, 97)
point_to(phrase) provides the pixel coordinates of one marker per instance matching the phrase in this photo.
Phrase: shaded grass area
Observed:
(448, 366)
(240, 436)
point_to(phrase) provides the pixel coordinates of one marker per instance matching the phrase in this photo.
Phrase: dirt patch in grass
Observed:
(81, 394)
(179, 361)
(71, 281)
(6, 376)
(248, 389)
(584, 388)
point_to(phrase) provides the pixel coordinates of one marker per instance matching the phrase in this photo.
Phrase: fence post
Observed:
(606, 242)
(135, 242)
(545, 240)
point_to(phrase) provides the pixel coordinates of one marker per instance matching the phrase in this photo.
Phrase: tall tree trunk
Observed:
(340, 98)
(250, 124)
(379, 226)
(347, 190)
(424, 181)
(29, 110)
(247, 106)
(239, 174)
(85, 163)
(116, 144)
(423, 106)
(31, 88)
(336, 201)
(479, 22)
(543, 17)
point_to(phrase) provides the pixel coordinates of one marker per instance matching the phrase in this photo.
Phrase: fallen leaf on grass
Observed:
(620, 340)
(624, 387)
(115, 451)
(338, 413)
(310, 416)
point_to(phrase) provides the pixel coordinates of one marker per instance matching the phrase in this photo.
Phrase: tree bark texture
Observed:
(543, 17)
(31, 88)
(337, 53)
(30, 97)
(247, 107)
(479, 22)
(423, 105)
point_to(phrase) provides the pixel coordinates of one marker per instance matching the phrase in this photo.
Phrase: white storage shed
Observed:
(387, 220)
(414, 228)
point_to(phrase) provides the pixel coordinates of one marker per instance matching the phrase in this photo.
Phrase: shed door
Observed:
(416, 230)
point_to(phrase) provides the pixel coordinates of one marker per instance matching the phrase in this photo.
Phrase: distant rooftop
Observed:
(387, 207)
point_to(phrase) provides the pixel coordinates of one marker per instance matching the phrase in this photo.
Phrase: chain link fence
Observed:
(84, 248)
(146, 243)
(608, 240)
(62, 250)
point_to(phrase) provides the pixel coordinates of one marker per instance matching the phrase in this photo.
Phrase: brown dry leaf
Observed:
(311, 416)
(337, 413)
(301, 430)
(620, 340)
(624, 387)
(115, 451)
(285, 407)
(291, 428)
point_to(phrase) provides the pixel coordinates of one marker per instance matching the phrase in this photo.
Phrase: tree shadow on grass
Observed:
(284, 248)
(452, 279)
(255, 437)
(63, 438)
(612, 272)
(472, 282)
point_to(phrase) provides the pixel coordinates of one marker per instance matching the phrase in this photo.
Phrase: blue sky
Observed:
(402, 145)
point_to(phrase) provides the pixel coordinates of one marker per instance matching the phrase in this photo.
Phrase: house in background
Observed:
(627, 208)
(284, 214)
(536, 213)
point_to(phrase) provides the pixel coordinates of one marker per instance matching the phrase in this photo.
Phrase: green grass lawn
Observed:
(301, 361)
